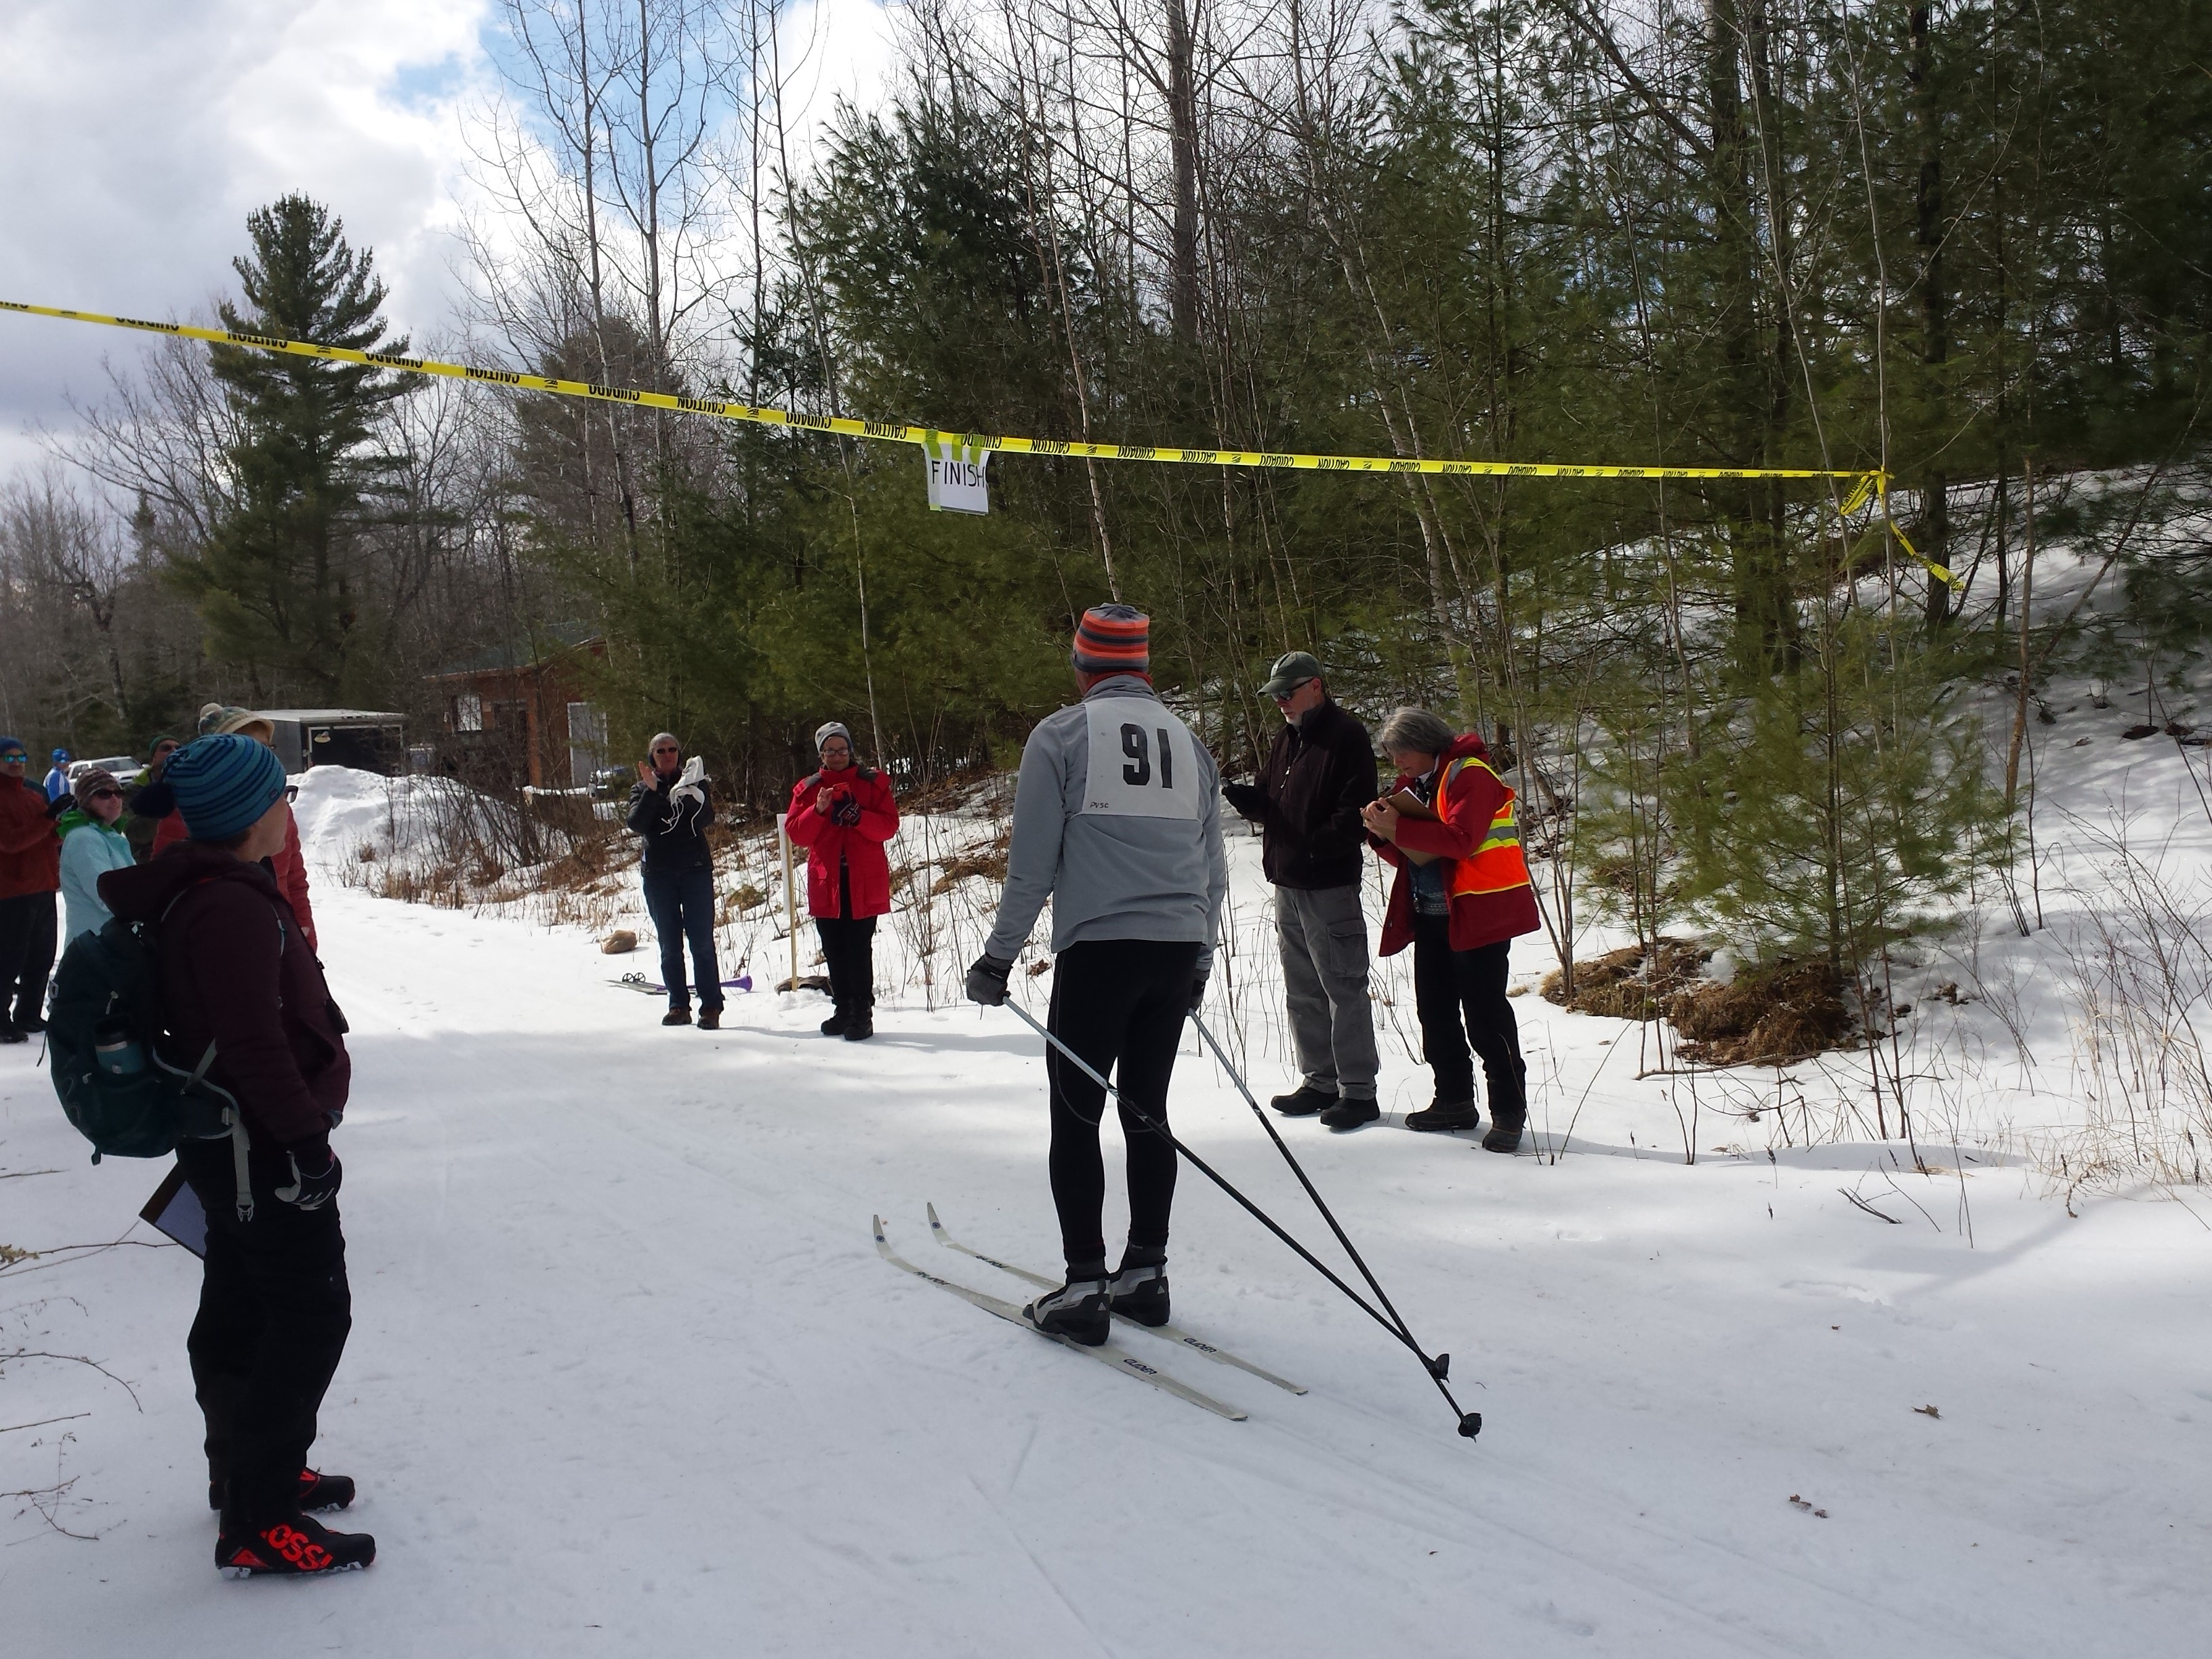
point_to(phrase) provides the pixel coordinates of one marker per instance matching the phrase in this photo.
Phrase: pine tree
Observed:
(273, 583)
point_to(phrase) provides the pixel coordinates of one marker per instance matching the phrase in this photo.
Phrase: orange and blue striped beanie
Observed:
(1113, 639)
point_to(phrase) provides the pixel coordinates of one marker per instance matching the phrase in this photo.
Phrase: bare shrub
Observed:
(1632, 983)
(1763, 1017)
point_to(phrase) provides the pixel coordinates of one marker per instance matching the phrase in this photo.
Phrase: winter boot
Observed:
(836, 1025)
(1440, 1114)
(1351, 1115)
(710, 1019)
(860, 1025)
(1077, 1309)
(1140, 1290)
(1304, 1101)
(676, 1016)
(296, 1546)
(9, 1034)
(1506, 1129)
(317, 1492)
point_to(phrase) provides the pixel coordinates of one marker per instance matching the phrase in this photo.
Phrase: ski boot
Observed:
(296, 1546)
(317, 1492)
(1077, 1309)
(1140, 1290)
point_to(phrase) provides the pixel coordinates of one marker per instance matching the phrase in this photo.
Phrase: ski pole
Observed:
(1297, 1169)
(1470, 1423)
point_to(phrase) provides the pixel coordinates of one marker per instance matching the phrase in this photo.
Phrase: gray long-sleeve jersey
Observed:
(1117, 820)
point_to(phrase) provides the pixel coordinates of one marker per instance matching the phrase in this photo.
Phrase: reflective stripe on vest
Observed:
(1496, 866)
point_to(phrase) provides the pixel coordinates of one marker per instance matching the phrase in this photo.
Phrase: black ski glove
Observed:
(846, 812)
(312, 1189)
(60, 803)
(986, 981)
(1198, 994)
(1249, 799)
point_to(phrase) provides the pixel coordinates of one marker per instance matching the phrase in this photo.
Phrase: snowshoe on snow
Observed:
(1140, 1290)
(317, 1492)
(1442, 1115)
(1304, 1101)
(1077, 1311)
(296, 1546)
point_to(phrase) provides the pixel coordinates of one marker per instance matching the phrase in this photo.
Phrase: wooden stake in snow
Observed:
(790, 898)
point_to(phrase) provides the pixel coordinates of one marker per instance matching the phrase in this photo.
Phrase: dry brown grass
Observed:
(1763, 1017)
(1634, 983)
(988, 861)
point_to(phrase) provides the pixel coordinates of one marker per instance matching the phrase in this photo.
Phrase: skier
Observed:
(842, 814)
(1461, 896)
(236, 977)
(669, 807)
(1307, 803)
(1117, 821)
(58, 780)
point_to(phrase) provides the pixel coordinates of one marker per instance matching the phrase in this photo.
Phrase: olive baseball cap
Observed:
(1291, 668)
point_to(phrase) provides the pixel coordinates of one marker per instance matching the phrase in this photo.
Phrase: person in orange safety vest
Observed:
(1461, 896)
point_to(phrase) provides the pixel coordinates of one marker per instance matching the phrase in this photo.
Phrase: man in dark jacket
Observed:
(1319, 775)
(30, 876)
(241, 993)
(670, 808)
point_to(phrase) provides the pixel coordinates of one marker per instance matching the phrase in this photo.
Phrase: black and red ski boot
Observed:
(298, 1547)
(1077, 1311)
(1140, 1290)
(317, 1492)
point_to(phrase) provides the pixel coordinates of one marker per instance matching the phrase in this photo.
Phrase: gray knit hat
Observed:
(827, 730)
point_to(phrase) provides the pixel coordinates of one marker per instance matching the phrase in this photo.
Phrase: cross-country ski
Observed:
(1115, 1359)
(1166, 1332)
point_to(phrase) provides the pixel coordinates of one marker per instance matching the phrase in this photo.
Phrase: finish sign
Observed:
(957, 483)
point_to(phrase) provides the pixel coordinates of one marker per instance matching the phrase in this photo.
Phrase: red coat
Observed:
(30, 850)
(1464, 816)
(291, 868)
(860, 846)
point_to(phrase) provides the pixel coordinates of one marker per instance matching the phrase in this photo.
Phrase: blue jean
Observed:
(682, 905)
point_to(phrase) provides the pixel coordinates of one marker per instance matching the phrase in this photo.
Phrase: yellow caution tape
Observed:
(897, 432)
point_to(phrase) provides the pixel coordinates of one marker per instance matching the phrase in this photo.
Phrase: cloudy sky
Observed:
(136, 135)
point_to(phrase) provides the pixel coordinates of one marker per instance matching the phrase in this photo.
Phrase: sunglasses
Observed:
(1285, 697)
(104, 794)
(14, 760)
(665, 749)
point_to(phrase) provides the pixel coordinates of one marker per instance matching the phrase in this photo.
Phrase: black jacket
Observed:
(1320, 773)
(675, 839)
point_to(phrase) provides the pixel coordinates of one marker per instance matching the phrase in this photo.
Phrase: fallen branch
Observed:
(1869, 1208)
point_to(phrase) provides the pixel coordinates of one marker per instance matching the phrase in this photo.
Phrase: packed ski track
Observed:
(628, 1374)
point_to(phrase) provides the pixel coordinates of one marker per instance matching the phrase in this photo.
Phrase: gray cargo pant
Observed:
(1322, 936)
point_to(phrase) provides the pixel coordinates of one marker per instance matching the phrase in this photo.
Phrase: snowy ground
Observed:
(626, 1375)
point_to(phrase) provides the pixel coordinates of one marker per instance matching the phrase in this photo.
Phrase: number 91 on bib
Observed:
(1144, 762)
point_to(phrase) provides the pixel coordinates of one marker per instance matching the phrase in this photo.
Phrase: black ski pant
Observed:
(1460, 997)
(27, 956)
(848, 946)
(275, 1309)
(1120, 1004)
(682, 905)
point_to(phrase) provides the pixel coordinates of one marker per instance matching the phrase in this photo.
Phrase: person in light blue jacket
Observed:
(92, 843)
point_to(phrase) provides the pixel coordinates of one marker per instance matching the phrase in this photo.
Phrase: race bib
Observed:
(1144, 762)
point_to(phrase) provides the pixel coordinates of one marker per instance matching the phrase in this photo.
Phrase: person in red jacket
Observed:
(241, 994)
(1461, 896)
(30, 876)
(842, 814)
(290, 866)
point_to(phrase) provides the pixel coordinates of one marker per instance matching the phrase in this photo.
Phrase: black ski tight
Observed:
(1119, 1003)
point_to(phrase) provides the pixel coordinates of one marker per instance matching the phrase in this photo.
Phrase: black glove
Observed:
(311, 1187)
(1198, 994)
(60, 803)
(846, 812)
(1249, 799)
(986, 981)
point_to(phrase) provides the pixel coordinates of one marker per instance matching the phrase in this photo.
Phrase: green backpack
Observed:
(101, 1029)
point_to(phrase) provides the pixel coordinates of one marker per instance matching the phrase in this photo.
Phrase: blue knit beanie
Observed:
(220, 784)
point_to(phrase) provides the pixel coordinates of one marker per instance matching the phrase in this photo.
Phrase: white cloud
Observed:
(136, 135)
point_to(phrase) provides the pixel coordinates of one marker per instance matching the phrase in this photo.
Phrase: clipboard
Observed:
(175, 1209)
(1411, 805)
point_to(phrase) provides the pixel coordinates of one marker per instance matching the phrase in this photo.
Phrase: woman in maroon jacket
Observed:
(30, 875)
(1461, 896)
(842, 814)
(237, 975)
